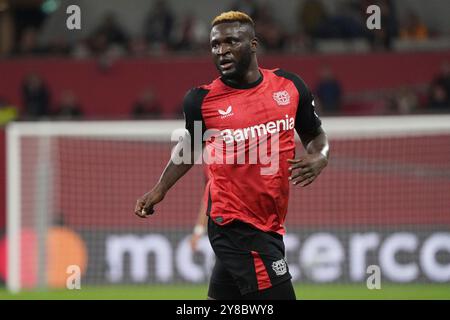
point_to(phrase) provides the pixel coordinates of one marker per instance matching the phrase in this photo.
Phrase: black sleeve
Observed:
(192, 109)
(306, 120)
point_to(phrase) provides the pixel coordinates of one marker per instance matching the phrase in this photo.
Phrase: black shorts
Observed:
(248, 257)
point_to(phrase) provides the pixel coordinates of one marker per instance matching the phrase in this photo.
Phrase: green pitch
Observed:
(170, 292)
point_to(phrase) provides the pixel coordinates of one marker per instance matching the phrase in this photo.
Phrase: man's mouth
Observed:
(226, 64)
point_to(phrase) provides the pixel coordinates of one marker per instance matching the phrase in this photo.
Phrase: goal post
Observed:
(72, 186)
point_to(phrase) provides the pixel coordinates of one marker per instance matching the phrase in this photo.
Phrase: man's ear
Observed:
(254, 44)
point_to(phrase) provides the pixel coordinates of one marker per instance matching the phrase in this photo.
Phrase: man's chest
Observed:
(239, 109)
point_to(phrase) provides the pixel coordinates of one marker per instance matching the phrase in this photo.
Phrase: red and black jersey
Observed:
(273, 106)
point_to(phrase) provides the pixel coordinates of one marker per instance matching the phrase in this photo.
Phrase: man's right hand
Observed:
(144, 205)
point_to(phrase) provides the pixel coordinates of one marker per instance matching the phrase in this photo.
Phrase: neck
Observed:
(251, 75)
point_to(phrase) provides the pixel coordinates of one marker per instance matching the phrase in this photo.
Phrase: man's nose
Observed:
(223, 49)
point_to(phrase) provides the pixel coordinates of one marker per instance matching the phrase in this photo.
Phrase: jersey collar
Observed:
(246, 85)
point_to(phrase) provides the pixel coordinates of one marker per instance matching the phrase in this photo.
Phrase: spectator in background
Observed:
(159, 26)
(147, 106)
(81, 49)
(439, 92)
(59, 47)
(310, 16)
(138, 47)
(108, 35)
(329, 91)
(405, 101)
(35, 96)
(250, 7)
(443, 78)
(413, 28)
(8, 112)
(438, 98)
(271, 36)
(346, 23)
(193, 34)
(68, 107)
(382, 39)
(28, 44)
(98, 44)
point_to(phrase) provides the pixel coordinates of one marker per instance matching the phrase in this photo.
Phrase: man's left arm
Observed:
(305, 169)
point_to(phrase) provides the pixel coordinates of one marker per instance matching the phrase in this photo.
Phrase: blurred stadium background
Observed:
(86, 117)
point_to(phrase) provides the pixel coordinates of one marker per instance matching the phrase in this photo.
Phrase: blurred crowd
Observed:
(164, 32)
(36, 96)
(433, 97)
(330, 100)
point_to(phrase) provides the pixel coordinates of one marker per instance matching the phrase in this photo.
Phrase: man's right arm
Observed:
(174, 171)
(171, 174)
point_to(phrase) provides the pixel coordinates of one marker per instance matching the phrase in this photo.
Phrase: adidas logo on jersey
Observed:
(227, 113)
(271, 127)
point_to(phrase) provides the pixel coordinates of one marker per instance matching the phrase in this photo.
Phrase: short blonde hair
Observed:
(233, 16)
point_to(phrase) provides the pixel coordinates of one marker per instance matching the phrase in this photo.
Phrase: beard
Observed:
(240, 69)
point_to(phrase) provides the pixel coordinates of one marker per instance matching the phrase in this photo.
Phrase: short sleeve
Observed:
(306, 120)
(192, 110)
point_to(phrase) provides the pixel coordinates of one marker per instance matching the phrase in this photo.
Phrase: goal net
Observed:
(383, 201)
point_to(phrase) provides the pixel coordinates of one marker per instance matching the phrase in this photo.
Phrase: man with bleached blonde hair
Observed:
(246, 209)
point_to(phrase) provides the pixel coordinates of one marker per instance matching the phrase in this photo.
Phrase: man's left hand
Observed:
(307, 168)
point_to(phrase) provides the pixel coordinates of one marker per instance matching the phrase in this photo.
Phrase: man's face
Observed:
(232, 47)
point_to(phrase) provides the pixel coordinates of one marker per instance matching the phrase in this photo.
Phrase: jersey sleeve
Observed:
(192, 109)
(306, 120)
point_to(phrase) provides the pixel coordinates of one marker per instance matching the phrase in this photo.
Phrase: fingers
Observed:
(138, 208)
(140, 213)
(304, 170)
(144, 213)
(300, 164)
(295, 162)
(143, 209)
(308, 181)
(139, 204)
(148, 208)
(302, 178)
(299, 173)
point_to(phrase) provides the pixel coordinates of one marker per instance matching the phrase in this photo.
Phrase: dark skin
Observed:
(305, 169)
(233, 48)
(235, 43)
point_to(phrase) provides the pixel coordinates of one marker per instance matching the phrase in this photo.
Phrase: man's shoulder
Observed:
(194, 97)
(279, 72)
(203, 90)
(291, 76)
(200, 90)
